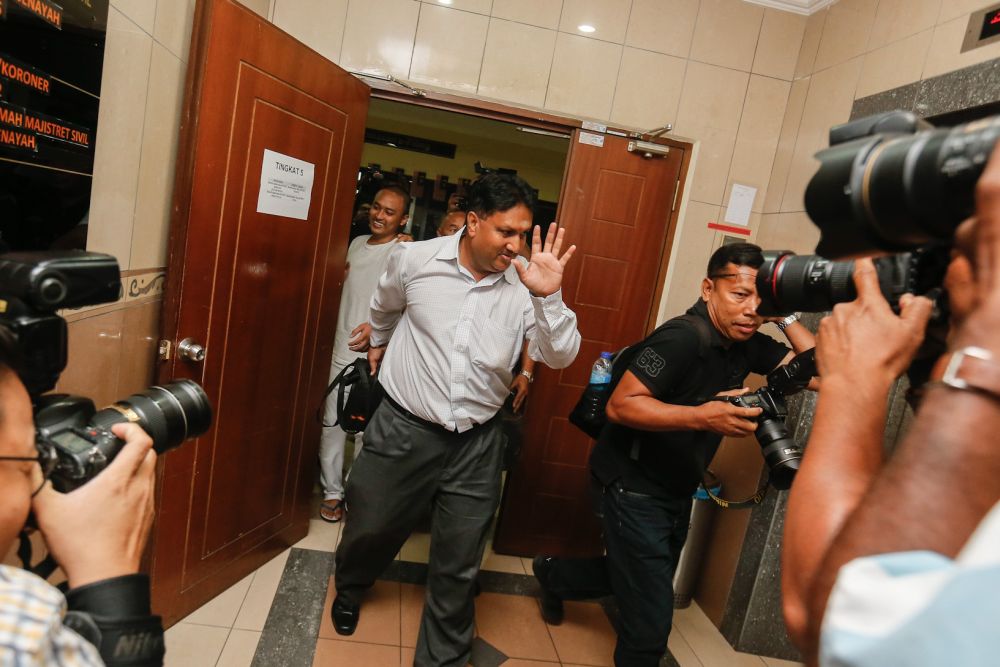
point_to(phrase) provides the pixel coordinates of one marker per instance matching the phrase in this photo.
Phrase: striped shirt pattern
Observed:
(455, 340)
(918, 608)
(31, 629)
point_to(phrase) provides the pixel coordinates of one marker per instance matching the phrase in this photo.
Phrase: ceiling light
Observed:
(586, 27)
(445, 2)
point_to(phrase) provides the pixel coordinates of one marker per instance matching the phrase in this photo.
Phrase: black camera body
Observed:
(780, 451)
(74, 439)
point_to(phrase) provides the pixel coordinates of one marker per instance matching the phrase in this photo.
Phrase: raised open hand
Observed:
(543, 274)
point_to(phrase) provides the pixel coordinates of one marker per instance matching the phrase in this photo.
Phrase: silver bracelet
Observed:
(529, 375)
(783, 324)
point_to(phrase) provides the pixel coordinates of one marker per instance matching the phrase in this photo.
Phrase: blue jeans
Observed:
(643, 536)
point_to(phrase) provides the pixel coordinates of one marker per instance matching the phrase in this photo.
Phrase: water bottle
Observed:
(600, 374)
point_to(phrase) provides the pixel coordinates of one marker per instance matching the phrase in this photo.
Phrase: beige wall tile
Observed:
(161, 128)
(708, 175)
(319, 24)
(666, 26)
(649, 89)
(374, 44)
(786, 145)
(757, 139)
(895, 65)
(448, 52)
(788, 231)
(542, 13)
(517, 62)
(173, 26)
(831, 95)
(945, 50)
(810, 43)
(691, 252)
(610, 17)
(119, 137)
(261, 7)
(140, 336)
(896, 19)
(141, 12)
(712, 96)
(845, 34)
(94, 353)
(477, 6)
(726, 33)
(951, 9)
(583, 77)
(776, 53)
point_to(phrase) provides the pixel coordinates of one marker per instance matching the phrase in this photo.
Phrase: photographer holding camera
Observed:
(895, 562)
(664, 430)
(96, 533)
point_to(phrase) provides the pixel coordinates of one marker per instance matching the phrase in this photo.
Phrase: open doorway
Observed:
(436, 154)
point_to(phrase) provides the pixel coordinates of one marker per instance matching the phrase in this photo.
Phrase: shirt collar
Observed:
(449, 252)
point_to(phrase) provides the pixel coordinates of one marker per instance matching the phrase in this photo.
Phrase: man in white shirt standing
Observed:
(366, 260)
(457, 309)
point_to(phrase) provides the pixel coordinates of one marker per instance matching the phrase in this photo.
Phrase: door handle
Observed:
(190, 350)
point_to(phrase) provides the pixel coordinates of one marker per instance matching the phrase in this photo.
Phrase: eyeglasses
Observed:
(46, 459)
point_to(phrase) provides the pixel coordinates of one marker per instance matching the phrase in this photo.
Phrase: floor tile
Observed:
(585, 636)
(406, 656)
(333, 653)
(190, 645)
(379, 622)
(411, 608)
(517, 662)
(499, 563)
(257, 604)
(681, 650)
(776, 662)
(708, 644)
(239, 649)
(513, 624)
(322, 536)
(417, 548)
(221, 611)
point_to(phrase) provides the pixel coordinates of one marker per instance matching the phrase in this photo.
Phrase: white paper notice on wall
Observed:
(285, 186)
(740, 204)
(592, 139)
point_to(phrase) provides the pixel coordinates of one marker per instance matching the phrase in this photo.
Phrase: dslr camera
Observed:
(73, 438)
(779, 449)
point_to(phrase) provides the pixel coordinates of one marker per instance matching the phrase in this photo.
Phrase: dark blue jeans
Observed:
(643, 536)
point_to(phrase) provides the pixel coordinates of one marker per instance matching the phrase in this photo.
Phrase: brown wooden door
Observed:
(260, 291)
(616, 207)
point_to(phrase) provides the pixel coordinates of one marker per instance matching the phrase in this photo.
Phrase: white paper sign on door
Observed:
(285, 186)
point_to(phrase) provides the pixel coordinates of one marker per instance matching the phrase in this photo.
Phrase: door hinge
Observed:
(677, 189)
(165, 350)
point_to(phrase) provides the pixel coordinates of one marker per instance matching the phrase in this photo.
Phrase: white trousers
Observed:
(331, 445)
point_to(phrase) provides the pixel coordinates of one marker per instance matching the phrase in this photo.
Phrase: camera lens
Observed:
(787, 283)
(170, 414)
(893, 192)
(780, 452)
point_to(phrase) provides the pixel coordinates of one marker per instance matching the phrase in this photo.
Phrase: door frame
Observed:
(543, 120)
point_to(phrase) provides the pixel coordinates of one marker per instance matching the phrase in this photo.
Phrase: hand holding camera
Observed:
(98, 531)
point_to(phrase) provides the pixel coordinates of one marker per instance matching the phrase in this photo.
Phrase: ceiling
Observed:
(796, 6)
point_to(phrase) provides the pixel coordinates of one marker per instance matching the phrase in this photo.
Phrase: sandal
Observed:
(332, 511)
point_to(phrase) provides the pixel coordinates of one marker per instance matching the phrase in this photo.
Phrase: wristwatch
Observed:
(969, 369)
(529, 375)
(783, 323)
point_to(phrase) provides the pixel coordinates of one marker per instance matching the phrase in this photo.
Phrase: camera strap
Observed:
(713, 482)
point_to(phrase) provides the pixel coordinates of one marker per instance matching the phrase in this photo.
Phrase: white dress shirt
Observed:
(454, 341)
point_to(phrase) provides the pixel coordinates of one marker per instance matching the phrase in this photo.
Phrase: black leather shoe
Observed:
(345, 616)
(552, 604)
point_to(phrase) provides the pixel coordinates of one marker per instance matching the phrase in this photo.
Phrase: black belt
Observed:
(429, 424)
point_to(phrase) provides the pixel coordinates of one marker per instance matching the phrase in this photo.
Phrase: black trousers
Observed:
(643, 536)
(405, 468)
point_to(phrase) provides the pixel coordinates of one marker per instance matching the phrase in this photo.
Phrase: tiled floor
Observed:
(226, 631)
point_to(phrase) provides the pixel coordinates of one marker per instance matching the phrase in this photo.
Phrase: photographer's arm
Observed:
(800, 338)
(632, 404)
(862, 348)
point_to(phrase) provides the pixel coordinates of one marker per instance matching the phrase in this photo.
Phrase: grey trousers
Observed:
(405, 469)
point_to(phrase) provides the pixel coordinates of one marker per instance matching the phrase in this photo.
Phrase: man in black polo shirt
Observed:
(662, 434)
